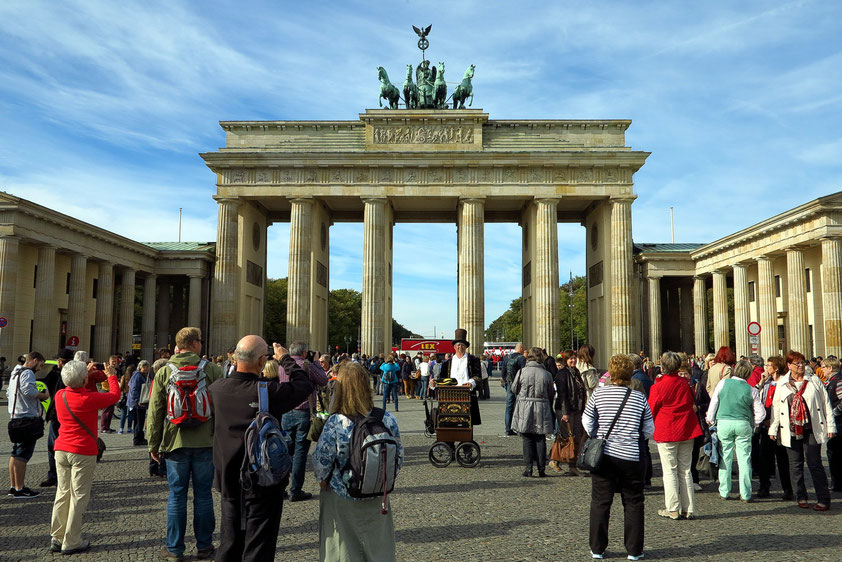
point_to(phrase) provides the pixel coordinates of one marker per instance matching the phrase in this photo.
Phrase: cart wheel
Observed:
(441, 454)
(467, 454)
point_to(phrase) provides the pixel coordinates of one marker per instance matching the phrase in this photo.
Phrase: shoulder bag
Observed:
(29, 428)
(564, 451)
(590, 457)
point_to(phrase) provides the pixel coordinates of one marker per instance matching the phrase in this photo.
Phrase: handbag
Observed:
(145, 391)
(317, 422)
(590, 457)
(564, 450)
(29, 428)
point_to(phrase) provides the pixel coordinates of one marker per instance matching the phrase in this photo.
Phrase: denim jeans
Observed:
(423, 385)
(181, 463)
(510, 407)
(297, 423)
(390, 389)
(126, 415)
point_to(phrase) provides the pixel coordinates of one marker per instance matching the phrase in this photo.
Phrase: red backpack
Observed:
(188, 400)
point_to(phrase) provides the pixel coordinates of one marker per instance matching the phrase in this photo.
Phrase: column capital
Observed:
(126, 268)
(194, 275)
(105, 263)
(301, 200)
(623, 199)
(375, 200)
(764, 257)
(701, 277)
(794, 248)
(740, 265)
(654, 275)
(227, 200)
(472, 200)
(830, 238)
(548, 200)
(150, 275)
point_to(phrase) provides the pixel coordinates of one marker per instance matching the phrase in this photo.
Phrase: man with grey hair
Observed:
(250, 518)
(297, 421)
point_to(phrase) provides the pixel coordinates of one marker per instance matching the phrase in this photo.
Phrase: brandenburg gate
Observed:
(424, 165)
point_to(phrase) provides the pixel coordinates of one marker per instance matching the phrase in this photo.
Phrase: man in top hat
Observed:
(465, 369)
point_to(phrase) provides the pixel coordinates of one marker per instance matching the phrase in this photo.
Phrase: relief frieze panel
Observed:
(430, 134)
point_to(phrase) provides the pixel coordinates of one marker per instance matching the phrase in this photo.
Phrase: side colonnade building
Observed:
(66, 283)
(784, 273)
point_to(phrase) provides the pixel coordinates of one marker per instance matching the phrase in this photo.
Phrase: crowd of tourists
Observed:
(195, 416)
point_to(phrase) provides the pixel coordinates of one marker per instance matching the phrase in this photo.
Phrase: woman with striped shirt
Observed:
(622, 469)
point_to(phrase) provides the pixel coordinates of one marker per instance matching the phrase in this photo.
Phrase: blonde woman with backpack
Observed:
(351, 528)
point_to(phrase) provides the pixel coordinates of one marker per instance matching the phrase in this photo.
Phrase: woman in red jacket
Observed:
(76, 451)
(676, 426)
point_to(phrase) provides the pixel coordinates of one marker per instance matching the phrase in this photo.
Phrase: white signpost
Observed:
(753, 330)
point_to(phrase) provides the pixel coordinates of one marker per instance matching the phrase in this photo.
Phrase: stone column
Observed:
(77, 324)
(622, 322)
(162, 315)
(700, 316)
(655, 336)
(686, 308)
(104, 312)
(44, 321)
(374, 276)
(741, 310)
(799, 334)
(147, 328)
(194, 302)
(226, 278)
(720, 310)
(9, 246)
(471, 255)
(300, 267)
(832, 295)
(767, 309)
(126, 311)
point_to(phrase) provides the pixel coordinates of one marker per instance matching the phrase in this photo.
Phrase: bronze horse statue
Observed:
(410, 90)
(440, 99)
(387, 90)
(464, 90)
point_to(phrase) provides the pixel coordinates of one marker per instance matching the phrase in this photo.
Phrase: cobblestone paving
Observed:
(489, 512)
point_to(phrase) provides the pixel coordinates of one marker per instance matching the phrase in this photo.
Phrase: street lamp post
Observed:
(570, 286)
(347, 342)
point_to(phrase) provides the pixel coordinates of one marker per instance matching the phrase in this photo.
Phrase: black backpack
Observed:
(373, 459)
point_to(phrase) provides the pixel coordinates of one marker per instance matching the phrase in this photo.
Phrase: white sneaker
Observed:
(597, 556)
(638, 557)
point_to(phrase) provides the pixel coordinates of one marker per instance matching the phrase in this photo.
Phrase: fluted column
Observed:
(9, 264)
(768, 311)
(162, 314)
(126, 311)
(104, 312)
(194, 301)
(799, 334)
(741, 310)
(655, 335)
(832, 295)
(147, 327)
(45, 321)
(226, 278)
(77, 324)
(622, 322)
(471, 301)
(300, 254)
(374, 276)
(720, 310)
(700, 316)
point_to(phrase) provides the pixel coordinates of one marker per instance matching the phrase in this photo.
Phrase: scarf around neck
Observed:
(798, 409)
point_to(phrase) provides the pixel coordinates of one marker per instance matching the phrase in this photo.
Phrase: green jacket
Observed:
(162, 435)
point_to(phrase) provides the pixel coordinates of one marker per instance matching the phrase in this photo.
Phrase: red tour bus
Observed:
(412, 346)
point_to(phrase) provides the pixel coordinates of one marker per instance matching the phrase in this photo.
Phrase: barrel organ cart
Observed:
(450, 421)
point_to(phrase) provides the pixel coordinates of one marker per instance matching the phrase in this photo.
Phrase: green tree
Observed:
(275, 310)
(509, 325)
(399, 332)
(344, 317)
(580, 314)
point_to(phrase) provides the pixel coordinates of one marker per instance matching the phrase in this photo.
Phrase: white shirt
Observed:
(459, 370)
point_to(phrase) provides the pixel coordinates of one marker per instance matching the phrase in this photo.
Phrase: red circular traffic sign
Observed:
(3, 322)
(72, 341)
(753, 328)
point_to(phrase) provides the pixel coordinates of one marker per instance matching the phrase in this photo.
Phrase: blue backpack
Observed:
(267, 460)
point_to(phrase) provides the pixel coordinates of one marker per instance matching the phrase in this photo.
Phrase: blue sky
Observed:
(104, 107)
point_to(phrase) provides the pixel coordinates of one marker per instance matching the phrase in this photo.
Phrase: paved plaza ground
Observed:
(489, 512)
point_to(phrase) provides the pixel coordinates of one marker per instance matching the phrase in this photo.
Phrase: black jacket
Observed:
(571, 396)
(235, 405)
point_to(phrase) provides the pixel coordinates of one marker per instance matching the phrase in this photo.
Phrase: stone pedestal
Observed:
(741, 316)
(77, 324)
(104, 312)
(45, 319)
(720, 310)
(126, 311)
(622, 321)
(655, 336)
(832, 295)
(546, 288)
(700, 316)
(470, 242)
(376, 332)
(226, 279)
(298, 292)
(799, 334)
(9, 246)
(768, 312)
(147, 329)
